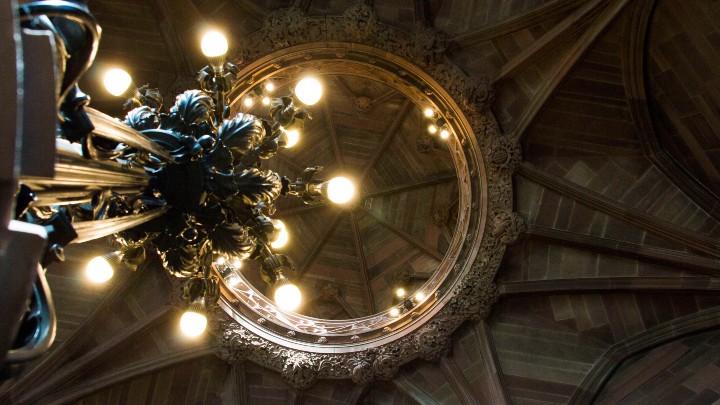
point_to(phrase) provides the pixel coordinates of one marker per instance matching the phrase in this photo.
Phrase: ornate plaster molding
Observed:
(485, 160)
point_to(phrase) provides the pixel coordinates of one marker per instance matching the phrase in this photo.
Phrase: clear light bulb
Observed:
(444, 134)
(400, 292)
(282, 237)
(287, 295)
(293, 136)
(232, 280)
(193, 323)
(266, 100)
(248, 101)
(308, 91)
(394, 312)
(237, 263)
(340, 190)
(269, 86)
(214, 44)
(420, 296)
(432, 128)
(220, 260)
(99, 270)
(117, 81)
(428, 112)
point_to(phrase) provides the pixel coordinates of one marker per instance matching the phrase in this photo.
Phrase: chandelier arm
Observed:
(111, 129)
(79, 13)
(89, 230)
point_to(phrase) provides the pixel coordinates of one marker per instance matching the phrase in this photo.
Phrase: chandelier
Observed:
(185, 183)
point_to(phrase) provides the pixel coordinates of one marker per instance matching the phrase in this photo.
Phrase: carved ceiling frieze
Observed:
(249, 327)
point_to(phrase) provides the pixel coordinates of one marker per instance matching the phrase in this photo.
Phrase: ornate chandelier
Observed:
(185, 183)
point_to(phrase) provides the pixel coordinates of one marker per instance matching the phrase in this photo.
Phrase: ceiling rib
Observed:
(319, 245)
(495, 384)
(363, 262)
(68, 371)
(170, 36)
(577, 50)
(591, 284)
(131, 371)
(333, 135)
(238, 380)
(436, 179)
(545, 12)
(78, 338)
(633, 60)
(673, 258)
(387, 138)
(409, 238)
(587, 197)
(412, 389)
(604, 367)
(567, 28)
(346, 307)
(457, 381)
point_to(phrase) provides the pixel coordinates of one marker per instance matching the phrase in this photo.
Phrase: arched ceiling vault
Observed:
(611, 294)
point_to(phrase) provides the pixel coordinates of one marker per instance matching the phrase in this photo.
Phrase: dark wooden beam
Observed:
(493, 383)
(333, 134)
(561, 32)
(387, 138)
(357, 242)
(79, 338)
(409, 238)
(605, 367)
(356, 393)
(579, 47)
(457, 380)
(421, 15)
(170, 36)
(74, 368)
(436, 179)
(594, 284)
(252, 8)
(633, 61)
(320, 243)
(668, 257)
(589, 198)
(410, 387)
(545, 12)
(290, 162)
(300, 209)
(134, 370)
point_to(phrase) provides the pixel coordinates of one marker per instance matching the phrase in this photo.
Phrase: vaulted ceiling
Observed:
(610, 296)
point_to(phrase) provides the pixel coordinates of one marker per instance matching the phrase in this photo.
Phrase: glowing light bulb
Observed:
(432, 128)
(193, 323)
(269, 86)
(444, 134)
(248, 102)
(117, 81)
(400, 292)
(266, 100)
(214, 44)
(237, 263)
(220, 260)
(293, 136)
(340, 190)
(282, 237)
(420, 296)
(98, 270)
(394, 312)
(232, 280)
(287, 295)
(308, 91)
(428, 112)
